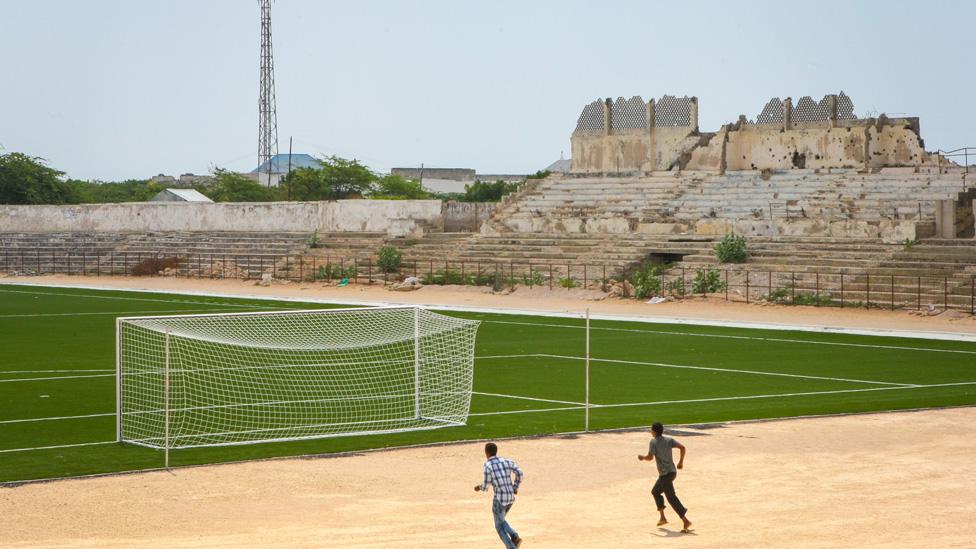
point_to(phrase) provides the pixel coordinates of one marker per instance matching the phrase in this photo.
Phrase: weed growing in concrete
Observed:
(732, 249)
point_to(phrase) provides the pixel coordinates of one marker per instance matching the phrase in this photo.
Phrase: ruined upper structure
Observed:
(630, 135)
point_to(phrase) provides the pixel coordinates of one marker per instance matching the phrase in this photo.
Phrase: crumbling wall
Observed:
(708, 154)
(395, 217)
(628, 135)
(466, 216)
(661, 149)
(814, 135)
(896, 142)
(764, 147)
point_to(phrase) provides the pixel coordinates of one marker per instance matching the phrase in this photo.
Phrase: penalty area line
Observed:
(110, 313)
(15, 372)
(10, 450)
(581, 405)
(535, 410)
(720, 399)
(811, 393)
(576, 405)
(146, 299)
(742, 337)
(53, 378)
(505, 356)
(33, 419)
(734, 371)
(528, 398)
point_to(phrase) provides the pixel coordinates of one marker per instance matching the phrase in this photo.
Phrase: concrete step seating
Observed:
(913, 277)
(741, 195)
(117, 252)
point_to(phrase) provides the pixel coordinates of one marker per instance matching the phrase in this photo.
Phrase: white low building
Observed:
(180, 195)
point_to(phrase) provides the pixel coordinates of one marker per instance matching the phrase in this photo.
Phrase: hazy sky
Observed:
(115, 89)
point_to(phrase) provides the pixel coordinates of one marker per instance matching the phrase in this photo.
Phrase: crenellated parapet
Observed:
(629, 135)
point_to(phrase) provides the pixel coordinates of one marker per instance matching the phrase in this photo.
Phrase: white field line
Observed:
(503, 356)
(810, 393)
(912, 334)
(534, 411)
(581, 407)
(33, 315)
(53, 378)
(726, 336)
(743, 397)
(119, 298)
(529, 398)
(15, 372)
(58, 446)
(31, 420)
(731, 370)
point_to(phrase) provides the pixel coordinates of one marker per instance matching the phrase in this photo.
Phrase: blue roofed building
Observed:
(279, 165)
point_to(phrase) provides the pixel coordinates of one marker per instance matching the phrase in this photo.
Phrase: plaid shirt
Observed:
(498, 473)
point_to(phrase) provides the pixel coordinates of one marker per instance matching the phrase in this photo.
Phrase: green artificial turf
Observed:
(57, 360)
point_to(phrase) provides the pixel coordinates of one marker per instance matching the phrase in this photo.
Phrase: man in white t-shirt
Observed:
(660, 450)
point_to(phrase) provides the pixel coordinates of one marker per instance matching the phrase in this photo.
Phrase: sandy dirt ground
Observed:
(882, 480)
(541, 299)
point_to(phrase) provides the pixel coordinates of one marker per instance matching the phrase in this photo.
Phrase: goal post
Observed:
(242, 378)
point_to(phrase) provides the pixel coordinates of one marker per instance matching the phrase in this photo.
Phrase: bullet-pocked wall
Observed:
(630, 135)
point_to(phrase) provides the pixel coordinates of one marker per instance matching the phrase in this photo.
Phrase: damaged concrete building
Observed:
(631, 135)
(809, 169)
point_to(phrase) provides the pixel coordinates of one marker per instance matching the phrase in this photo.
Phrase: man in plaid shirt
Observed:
(498, 473)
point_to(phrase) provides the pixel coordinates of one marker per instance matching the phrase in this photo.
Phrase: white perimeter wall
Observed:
(395, 217)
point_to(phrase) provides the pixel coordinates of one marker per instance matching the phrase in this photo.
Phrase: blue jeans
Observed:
(505, 530)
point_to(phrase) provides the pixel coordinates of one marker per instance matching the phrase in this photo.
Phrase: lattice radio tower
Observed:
(267, 111)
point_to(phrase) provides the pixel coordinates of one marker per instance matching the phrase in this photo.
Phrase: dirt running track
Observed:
(896, 480)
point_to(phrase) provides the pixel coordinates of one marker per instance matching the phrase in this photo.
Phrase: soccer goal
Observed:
(242, 378)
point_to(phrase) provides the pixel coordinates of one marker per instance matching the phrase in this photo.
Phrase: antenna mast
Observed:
(267, 111)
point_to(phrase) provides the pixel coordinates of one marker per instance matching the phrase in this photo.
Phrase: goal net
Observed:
(240, 378)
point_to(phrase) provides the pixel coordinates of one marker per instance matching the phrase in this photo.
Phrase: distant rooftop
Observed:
(563, 165)
(279, 163)
(449, 174)
(180, 195)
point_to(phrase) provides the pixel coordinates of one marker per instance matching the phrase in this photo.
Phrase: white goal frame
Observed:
(462, 331)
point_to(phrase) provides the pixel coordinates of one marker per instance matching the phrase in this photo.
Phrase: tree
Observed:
(96, 192)
(27, 180)
(234, 187)
(347, 178)
(480, 191)
(306, 184)
(337, 178)
(395, 186)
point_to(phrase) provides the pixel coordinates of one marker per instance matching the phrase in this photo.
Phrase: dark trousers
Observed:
(665, 485)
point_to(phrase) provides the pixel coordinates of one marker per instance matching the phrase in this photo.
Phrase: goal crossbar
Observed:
(275, 313)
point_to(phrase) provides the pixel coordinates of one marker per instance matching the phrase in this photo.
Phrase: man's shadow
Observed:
(663, 532)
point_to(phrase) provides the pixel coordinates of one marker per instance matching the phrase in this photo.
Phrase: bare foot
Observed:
(662, 522)
(687, 527)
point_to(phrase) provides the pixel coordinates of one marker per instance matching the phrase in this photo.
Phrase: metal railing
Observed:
(865, 289)
(887, 209)
(962, 153)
